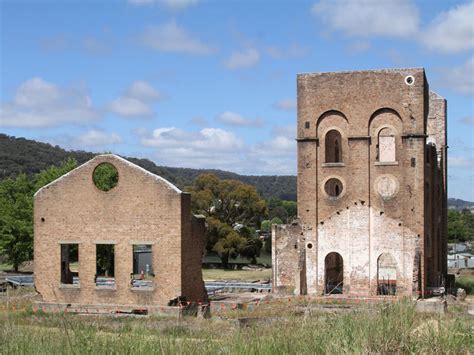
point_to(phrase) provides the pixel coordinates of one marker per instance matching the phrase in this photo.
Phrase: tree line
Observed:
(460, 225)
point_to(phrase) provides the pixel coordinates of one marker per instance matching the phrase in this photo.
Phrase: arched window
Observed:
(333, 147)
(334, 274)
(386, 275)
(386, 145)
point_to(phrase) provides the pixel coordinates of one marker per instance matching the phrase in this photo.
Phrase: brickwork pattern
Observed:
(142, 209)
(385, 207)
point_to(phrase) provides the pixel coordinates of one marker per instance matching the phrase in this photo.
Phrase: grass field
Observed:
(244, 275)
(388, 328)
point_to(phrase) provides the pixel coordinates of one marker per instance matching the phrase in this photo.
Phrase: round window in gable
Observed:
(105, 176)
(333, 187)
(409, 80)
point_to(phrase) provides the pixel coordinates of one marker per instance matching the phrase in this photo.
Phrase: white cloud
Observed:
(234, 119)
(391, 18)
(206, 148)
(468, 120)
(95, 137)
(292, 51)
(451, 31)
(285, 104)
(221, 149)
(169, 37)
(461, 162)
(207, 139)
(141, 90)
(358, 47)
(459, 79)
(95, 46)
(130, 107)
(275, 156)
(39, 103)
(285, 131)
(137, 100)
(171, 4)
(243, 59)
(199, 121)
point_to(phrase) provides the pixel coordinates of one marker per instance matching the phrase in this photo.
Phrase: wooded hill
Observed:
(29, 156)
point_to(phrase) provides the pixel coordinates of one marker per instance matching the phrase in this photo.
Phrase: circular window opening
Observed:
(310, 245)
(410, 80)
(333, 187)
(105, 176)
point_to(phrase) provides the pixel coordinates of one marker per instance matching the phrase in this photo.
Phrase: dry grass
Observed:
(387, 328)
(244, 275)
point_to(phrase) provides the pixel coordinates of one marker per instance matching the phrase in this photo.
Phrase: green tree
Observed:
(253, 244)
(105, 176)
(16, 211)
(266, 226)
(233, 210)
(16, 220)
(44, 177)
(284, 210)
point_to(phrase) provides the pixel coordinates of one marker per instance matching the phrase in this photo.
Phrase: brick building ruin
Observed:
(372, 199)
(135, 244)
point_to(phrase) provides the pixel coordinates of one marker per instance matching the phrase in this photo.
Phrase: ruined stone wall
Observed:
(288, 259)
(193, 245)
(142, 209)
(382, 206)
(436, 129)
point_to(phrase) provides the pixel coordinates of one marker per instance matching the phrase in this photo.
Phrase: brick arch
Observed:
(381, 111)
(330, 113)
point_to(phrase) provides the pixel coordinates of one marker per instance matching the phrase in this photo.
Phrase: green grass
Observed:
(263, 259)
(388, 328)
(466, 282)
(5, 267)
(245, 275)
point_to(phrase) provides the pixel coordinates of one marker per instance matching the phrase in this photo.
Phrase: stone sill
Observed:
(333, 165)
(106, 288)
(388, 163)
(142, 289)
(69, 287)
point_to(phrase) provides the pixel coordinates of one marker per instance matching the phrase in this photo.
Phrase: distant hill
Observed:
(29, 156)
(458, 204)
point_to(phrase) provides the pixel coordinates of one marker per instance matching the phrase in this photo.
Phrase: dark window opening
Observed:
(70, 264)
(332, 146)
(306, 125)
(143, 274)
(386, 275)
(105, 265)
(334, 274)
(333, 187)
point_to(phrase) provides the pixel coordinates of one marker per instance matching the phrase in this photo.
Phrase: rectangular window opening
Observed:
(143, 274)
(70, 264)
(105, 265)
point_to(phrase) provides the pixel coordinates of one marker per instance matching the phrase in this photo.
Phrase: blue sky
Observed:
(212, 84)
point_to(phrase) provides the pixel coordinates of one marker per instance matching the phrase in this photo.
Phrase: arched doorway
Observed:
(334, 274)
(386, 275)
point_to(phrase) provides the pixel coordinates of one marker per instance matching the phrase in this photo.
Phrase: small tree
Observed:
(16, 220)
(228, 204)
(16, 212)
